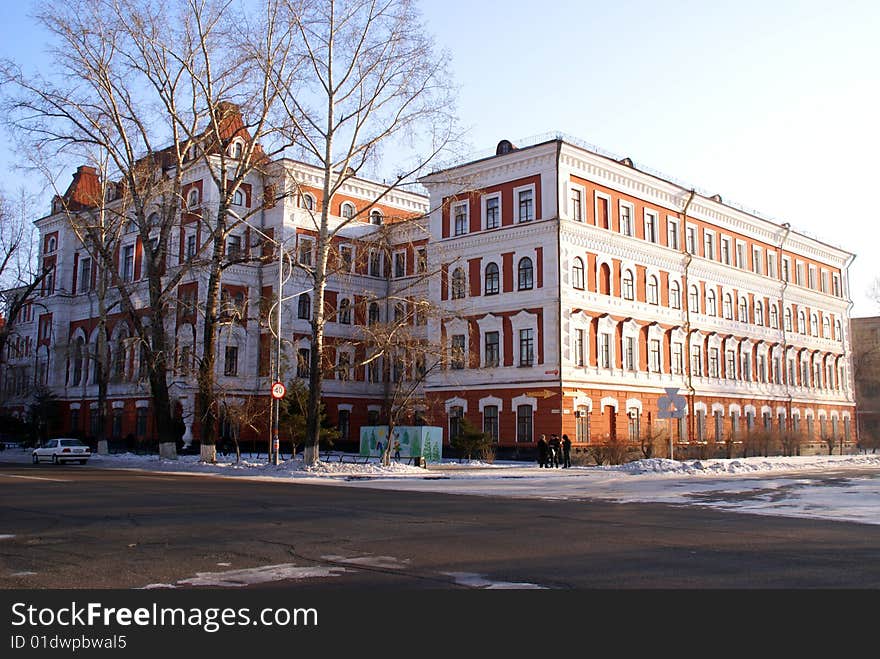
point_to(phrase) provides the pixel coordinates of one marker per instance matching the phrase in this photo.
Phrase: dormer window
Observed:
(192, 198)
(375, 217)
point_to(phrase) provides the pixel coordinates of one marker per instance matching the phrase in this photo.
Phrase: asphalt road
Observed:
(84, 527)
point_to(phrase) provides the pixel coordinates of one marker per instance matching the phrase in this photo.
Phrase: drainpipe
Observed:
(688, 257)
(784, 362)
(559, 290)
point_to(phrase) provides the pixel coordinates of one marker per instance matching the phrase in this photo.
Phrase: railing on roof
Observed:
(550, 136)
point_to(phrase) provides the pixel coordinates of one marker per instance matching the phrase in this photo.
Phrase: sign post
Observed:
(671, 406)
(278, 391)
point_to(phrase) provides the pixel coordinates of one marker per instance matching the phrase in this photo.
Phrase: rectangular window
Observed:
(708, 244)
(493, 212)
(141, 422)
(713, 363)
(629, 353)
(799, 273)
(725, 251)
(579, 347)
(762, 368)
(786, 269)
(85, 275)
(525, 200)
(650, 226)
(672, 234)
(233, 247)
(824, 281)
(458, 351)
(811, 282)
(492, 350)
(490, 421)
(746, 368)
(740, 255)
(626, 227)
(305, 252)
(346, 256)
(730, 367)
(757, 260)
(835, 285)
(691, 240)
(128, 263)
(400, 264)
(230, 361)
(373, 371)
(524, 423)
(771, 265)
(577, 204)
(654, 356)
(303, 362)
(526, 347)
(343, 366)
(422, 260)
(677, 358)
(696, 361)
(375, 264)
(605, 350)
(460, 215)
(190, 247)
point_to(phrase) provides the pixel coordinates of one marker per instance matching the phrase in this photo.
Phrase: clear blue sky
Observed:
(772, 104)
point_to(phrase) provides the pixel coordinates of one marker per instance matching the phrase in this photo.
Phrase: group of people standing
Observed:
(551, 453)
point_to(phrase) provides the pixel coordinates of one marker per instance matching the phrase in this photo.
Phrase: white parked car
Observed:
(62, 450)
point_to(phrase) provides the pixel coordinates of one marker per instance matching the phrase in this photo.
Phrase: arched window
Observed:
(728, 306)
(344, 315)
(802, 322)
(774, 316)
(308, 202)
(153, 220)
(711, 303)
(375, 217)
(674, 294)
(304, 307)
(694, 299)
(79, 357)
(120, 354)
(348, 210)
(743, 310)
(373, 313)
(526, 274)
(492, 279)
(838, 330)
(458, 282)
(192, 198)
(577, 273)
(652, 290)
(238, 198)
(236, 149)
(627, 285)
(759, 313)
(51, 244)
(814, 324)
(826, 328)
(787, 320)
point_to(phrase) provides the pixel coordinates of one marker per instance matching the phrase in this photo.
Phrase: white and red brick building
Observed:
(574, 290)
(579, 289)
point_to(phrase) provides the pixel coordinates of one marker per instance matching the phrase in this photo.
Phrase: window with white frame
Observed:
(457, 358)
(651, 221)
(771, 264)
(348, 210)
(304, 254)
(787, 321)
(526, 347)
(811, 277)
(604, 352)
(674, 294)
(422, 260)
(835, 285)
(654, 355)
(400, 264)
(814, 324)
(346, 257)
(524, 423)
(711, 302)
(628, 285)
(757, 260)
(458, 284)
(190, 247)
(740, 255)
(492, 211)
(823, 280)
(238, 198)
(672, 233)
(759, 313)
(577, 273)
(629, 353)
(626, 222)
(579, 345)
(697, 360)
(802, 322)
(725, 250)
(727, 306)
(786, 269)
(375, 216)
(714, 366)
(492, 279)
(525, 199)
(128, 263)
(460, 217)
(344, 314)
(694, 298)
(576, 199)
(743, 315)
(774, 316)
(799, 273)
(709, 244)
(375, 263)
(652, 290)
(677, 358)
(492, 352)
(233, 247)
(730, 365)
(691, 239)
(525, 274)
(84, 280)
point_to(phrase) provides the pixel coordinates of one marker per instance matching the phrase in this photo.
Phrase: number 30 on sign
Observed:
(278, 390)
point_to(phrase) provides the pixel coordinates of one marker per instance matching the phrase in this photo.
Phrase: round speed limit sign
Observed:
(278, 390)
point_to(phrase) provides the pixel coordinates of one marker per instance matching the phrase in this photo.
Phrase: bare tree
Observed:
(135, 79)
(372, 81)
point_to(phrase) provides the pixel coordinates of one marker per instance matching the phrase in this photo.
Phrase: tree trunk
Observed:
(207, 411)
(313, 408)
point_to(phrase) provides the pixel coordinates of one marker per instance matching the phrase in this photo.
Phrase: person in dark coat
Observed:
(555, 450)
(566, 451)
(542, 452)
